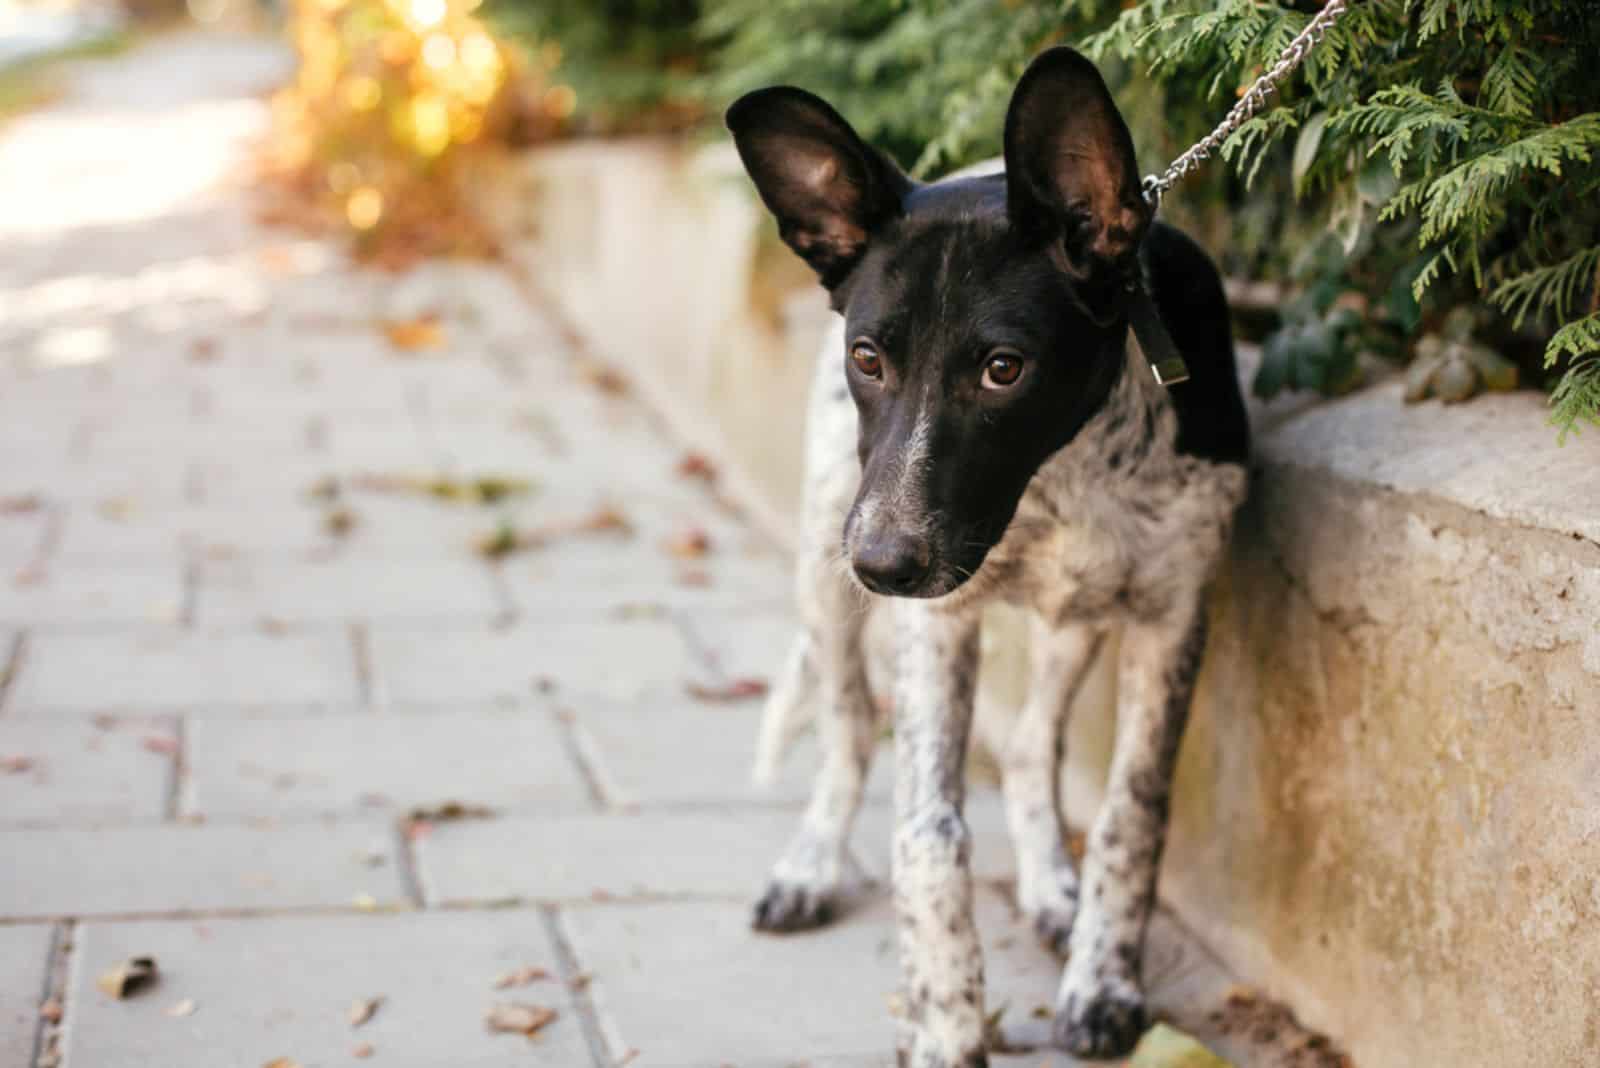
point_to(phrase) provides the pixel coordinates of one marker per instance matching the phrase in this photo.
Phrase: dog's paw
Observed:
(926, 1058)
(793, 907)
(1102, 1024)
(1054, 928)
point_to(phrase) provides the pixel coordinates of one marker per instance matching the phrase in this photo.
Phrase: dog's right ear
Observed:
(829, 190)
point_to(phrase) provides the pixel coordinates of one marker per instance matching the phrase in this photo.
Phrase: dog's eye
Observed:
(866, 359)
(1002, 369)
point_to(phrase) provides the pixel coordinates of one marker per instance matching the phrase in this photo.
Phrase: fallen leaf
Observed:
(27, 502)
(518, 1019)
(736, 690)
(282, 1062)
(520, 977)
(414, 335)
(185, 1007)
(1042, 1012)
(339, 522)
(16, 765)
(507, 539)
(129, 977)
(116, 509)
(362, 1050)
(689, 544)
(203, 349)
(448, 811)
(1164, 1046)
(324, 489)
(580, 982)
(362, 1010)
(480, 489)
(160, 743)
(50, 1011)
(601, 377)
(695, 465)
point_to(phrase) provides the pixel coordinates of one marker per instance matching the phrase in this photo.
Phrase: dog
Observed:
(990, 430)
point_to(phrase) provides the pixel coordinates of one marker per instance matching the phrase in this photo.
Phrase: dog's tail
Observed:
(789, 710)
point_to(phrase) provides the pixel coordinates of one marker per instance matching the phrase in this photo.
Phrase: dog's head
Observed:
(984, 319)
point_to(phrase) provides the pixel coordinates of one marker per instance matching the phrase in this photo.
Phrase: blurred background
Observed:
(401, 410)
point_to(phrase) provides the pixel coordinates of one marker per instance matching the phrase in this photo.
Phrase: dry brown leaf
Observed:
(339, 522)
(580, 981)
(448, 811)
(695, 465)
(414, 335)
(697, 577)
(689, 544)
(129, 977)
(185, 1007)
(324, 489)
(27, 502)
(203, 349)
(362, 1009)
(507, 539)
(520, 1019)
(362, 1050)
(520, 977)
(282, 1062)
(16, 765)
(735, 690)
(605, 379)
(116, 509)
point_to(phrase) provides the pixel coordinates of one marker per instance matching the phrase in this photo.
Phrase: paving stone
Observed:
(108, 772)
(94, 593)
(724, 853)
(623, 660)
(510, 760)
(209, 532)
(137, 870)
(345, 586)
(282, 987)
(622, 579)
(823, 993)
(26, 951)
(21, 536)
(212, 670)
(676, 750)
(746, 644)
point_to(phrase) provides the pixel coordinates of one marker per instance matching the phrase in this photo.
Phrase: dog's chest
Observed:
(1118, 525)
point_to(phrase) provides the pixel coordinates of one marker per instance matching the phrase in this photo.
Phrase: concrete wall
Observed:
(1389, 798)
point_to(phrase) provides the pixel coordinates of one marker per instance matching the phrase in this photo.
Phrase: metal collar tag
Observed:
(1166, 363)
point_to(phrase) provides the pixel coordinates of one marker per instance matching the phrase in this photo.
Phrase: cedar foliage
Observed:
(1431, 155)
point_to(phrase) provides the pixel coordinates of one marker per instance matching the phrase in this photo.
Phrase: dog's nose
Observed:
(892, 563)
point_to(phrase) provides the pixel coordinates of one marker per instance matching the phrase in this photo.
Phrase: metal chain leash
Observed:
(1253, 100)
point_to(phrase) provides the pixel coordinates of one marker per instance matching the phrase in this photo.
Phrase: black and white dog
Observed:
(994, 432)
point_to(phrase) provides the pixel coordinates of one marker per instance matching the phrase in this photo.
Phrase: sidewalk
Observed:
(272, 718)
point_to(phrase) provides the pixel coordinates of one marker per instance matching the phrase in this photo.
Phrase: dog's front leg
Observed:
(940, 960)
(1100, 1008)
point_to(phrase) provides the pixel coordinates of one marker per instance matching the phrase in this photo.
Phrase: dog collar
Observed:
(1166, 362)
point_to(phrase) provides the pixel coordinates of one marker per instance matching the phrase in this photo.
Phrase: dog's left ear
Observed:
(829, 189)
(1070, 172)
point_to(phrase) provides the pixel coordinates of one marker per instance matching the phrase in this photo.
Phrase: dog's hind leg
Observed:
(808, 877)
(1047, 886)
(788, 710)
(1100, 1007)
